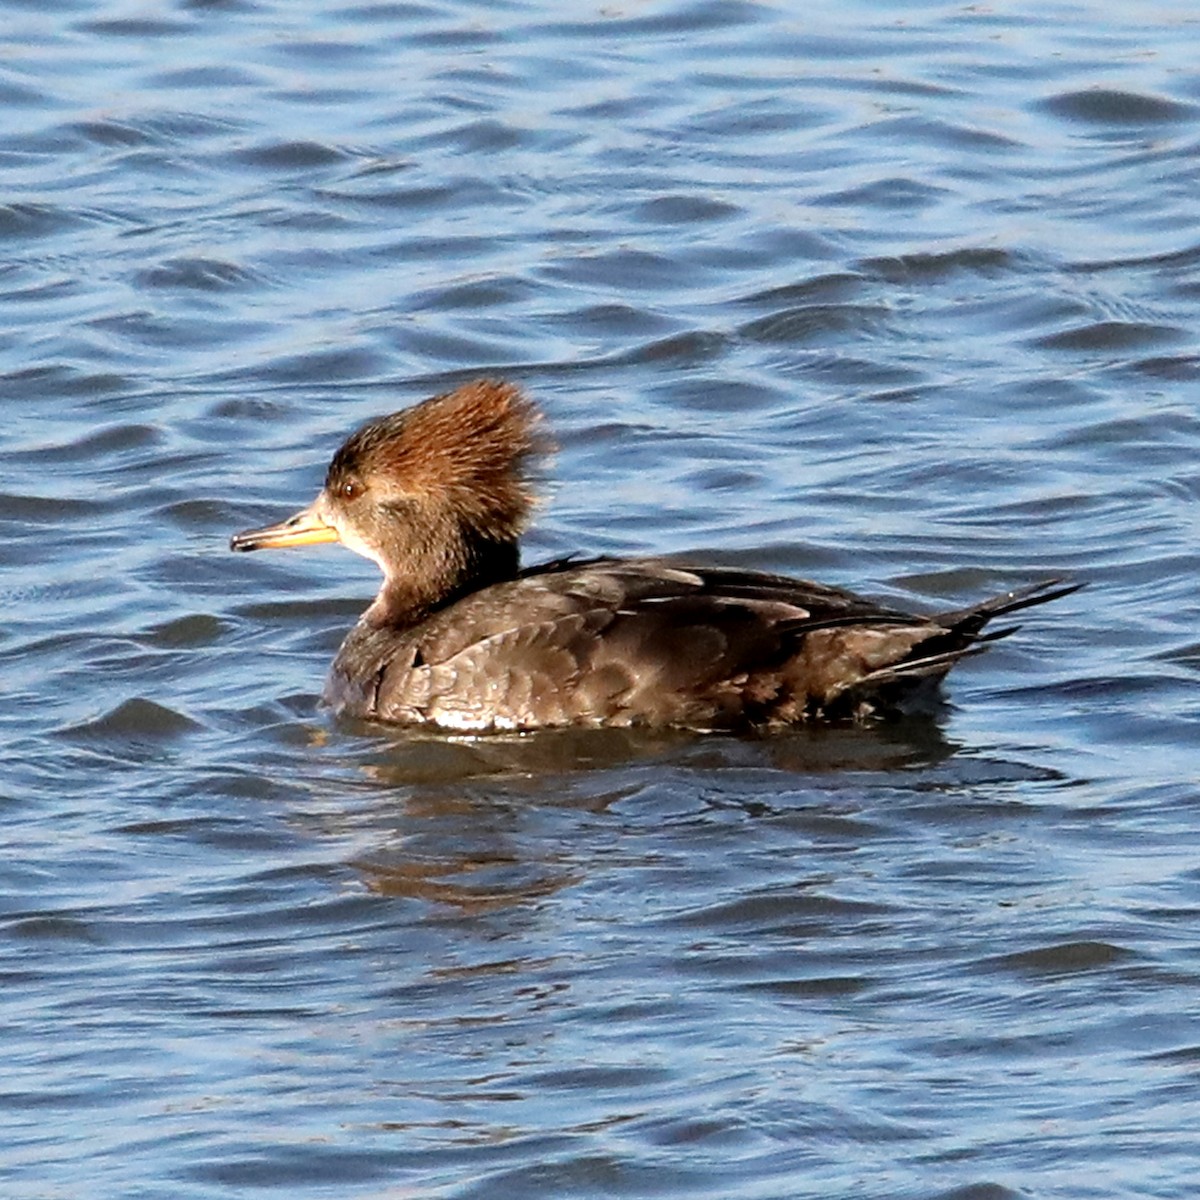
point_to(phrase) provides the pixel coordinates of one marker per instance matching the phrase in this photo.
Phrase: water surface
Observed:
(899, 296)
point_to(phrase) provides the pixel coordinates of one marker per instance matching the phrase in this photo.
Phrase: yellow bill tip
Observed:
(306, 528)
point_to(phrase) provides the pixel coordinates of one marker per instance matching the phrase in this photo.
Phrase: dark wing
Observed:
(644, 641)
(657, 642)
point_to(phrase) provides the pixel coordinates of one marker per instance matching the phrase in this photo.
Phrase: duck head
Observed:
(437, 495)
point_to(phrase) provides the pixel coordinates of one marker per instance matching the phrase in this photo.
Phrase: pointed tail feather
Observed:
(975, 616)
(949, 638)
(912, 668)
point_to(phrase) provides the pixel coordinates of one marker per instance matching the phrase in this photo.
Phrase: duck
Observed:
(462, 638)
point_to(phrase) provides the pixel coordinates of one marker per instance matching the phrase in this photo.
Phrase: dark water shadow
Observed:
(404, 757)
(486, 823)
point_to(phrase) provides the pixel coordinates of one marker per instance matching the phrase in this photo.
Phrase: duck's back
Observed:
(641, 642)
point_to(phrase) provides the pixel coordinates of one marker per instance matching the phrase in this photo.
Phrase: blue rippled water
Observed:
(899, 296)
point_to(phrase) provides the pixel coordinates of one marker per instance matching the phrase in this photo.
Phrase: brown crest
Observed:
(470, 449)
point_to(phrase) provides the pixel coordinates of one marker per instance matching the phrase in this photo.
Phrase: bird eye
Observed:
(351, 489)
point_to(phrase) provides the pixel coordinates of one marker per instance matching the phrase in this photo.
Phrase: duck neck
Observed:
(438, 575)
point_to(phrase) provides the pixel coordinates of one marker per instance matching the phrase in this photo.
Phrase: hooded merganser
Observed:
(461, 637)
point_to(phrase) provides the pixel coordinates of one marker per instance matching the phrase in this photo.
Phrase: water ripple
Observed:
(905, 304)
